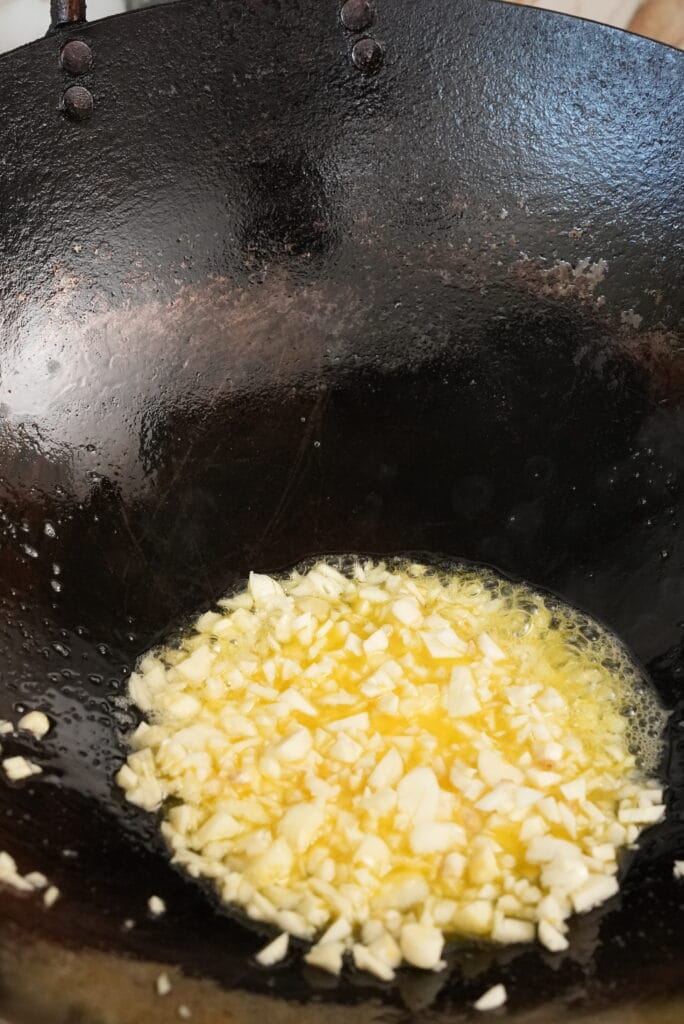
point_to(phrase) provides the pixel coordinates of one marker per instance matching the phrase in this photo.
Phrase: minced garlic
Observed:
(163, 985)
(274, 952)
(36, 722)
(34, 881)
(380, 757)
(18, 768)
(156, 906)
(492, 999)
(50, 896)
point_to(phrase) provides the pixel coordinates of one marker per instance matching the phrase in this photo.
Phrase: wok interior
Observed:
(295, 320)
(544, 449)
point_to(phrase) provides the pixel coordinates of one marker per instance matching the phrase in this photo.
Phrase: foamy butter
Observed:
(376, 756)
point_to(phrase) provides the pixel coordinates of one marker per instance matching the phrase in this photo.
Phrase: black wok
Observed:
(262, 302)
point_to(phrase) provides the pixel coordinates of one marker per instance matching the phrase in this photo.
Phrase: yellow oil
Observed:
(608, 720)
(546, 641)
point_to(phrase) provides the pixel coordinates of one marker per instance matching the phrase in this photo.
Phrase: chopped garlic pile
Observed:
(378, 757)
(34, 881)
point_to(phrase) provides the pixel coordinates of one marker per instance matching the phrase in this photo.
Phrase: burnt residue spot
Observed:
(656, 351)
(561, 279)
(661, 354)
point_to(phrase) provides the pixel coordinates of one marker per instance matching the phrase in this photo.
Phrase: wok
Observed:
(268, 291)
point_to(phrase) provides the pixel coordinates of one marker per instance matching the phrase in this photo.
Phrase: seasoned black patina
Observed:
(259, 306)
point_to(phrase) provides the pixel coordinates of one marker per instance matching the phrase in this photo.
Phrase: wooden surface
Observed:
(659, 19)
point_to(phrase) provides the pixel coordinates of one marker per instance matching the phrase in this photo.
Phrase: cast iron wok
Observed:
(263, 304)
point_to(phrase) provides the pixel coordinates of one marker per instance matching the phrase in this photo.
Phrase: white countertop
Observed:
(24, 20)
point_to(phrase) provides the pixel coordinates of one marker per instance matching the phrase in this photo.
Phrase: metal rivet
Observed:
(356, 15)
(76, 57)
(367, 55)
(77, 103)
